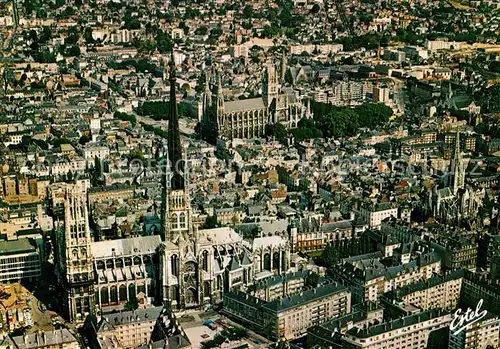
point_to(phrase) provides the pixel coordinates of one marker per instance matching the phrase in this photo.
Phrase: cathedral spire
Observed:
(174, 141)
(208, 93)
(458, 166)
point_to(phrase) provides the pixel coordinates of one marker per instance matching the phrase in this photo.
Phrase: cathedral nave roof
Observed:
(125, 247)
(244, 104)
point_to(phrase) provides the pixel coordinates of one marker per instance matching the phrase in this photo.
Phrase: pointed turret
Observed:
(207, 95)
(269, 86)
(220, 96)
(174, 142)
(283, 68)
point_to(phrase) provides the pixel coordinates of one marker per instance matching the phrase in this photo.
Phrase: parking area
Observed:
(21, 309)
(206, 325)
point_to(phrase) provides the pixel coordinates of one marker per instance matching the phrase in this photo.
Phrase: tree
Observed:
(315, 8)
(131, 304)
(74, 51)
(494, 66)
(126, 117)
(84, 140)
(60, 3)
(87, 34)
(69, 11)
(211, 222)
(330, 256)
(248, 11)
(203, 30)
(277, 130)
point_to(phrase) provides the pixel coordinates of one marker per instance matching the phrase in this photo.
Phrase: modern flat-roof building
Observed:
(19, 259)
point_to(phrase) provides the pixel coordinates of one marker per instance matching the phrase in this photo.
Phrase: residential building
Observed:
(290, 316)
(56, 339)
(407, 332)
(439, 292)
(456, 252)
(478, 335)
(128, 329)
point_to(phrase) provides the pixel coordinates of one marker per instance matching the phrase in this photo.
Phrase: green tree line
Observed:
(330, 121)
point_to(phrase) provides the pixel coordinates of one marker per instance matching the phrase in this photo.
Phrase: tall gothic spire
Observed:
(174, 141)
(207, 96)
(458, 166)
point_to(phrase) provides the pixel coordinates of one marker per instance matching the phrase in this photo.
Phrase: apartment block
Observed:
(288, 317)
(407, 332)
(127, 330)
(439, 292)
(480, 335)
(279, 286)
(367, 278)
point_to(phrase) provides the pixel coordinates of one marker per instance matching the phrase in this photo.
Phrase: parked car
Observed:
(210, 324)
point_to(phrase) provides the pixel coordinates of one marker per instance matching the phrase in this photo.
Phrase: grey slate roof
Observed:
(244, 104)
(110, 320)
(45, 339)
(407, 321)
(130, 246)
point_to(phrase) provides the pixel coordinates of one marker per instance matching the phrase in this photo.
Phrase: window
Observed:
(173, 221)
(182, 221)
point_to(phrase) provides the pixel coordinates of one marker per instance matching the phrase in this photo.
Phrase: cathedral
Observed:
(247, 118)
(458, 201)
(183, 267)
(198, 266)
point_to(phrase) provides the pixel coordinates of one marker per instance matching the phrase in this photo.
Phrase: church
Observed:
(198, 266)
(459, 200)
(248, 118)
(182, 267)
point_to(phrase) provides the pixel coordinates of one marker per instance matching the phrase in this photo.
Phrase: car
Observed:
(210, 324)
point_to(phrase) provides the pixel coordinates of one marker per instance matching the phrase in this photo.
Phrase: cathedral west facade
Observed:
(198, 266)
(459, 201)
(248, 118)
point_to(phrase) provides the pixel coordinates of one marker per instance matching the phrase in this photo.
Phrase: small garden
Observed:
(226, 335)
